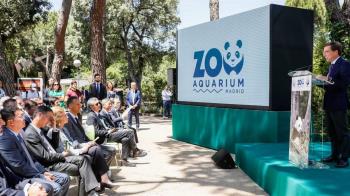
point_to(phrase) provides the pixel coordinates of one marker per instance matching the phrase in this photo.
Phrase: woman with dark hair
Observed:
(56, 91)
(73, 90)
(110, 92)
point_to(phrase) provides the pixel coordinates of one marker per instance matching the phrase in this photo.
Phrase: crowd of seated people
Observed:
(42, 146)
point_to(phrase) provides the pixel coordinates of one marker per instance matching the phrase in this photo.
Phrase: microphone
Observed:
(304, 68)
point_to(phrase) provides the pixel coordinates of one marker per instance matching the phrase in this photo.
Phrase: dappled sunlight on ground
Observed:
(177, 168)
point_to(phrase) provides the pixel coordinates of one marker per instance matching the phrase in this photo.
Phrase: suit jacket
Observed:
(10, 183)
(12, 152)
(74, 132)
(105, 117)
(37, 146)
(93, 91)
(100, 130)
(4, 187)
(116, 118)
(335, 97)
(27, 120)
(136, 101)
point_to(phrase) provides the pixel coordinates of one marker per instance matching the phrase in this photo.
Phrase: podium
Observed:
(300, 120)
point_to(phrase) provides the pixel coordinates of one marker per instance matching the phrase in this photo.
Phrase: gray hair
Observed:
(2, 100)
(92, 101)
(104, 101)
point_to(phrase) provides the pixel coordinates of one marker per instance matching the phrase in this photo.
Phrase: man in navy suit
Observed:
(336, 104)
(29, 109)
(133, 100)
(97, 89)
(17, 156)
(12, 185)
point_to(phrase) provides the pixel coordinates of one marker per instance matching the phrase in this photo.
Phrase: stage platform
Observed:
(218, 128)
(267, 164)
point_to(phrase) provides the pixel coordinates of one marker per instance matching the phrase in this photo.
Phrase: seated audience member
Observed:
(10, 104)
(76, 133)
(19, 101)
(38, 101)
(17, 157)
(11, 184)
(99, 165)
(43, 149)
(104, 131)
(46, 97)
(73, 91)
(56, 91)
(54, 101)
(29, 109)
(85, 97)
(118, 118)
(2, 91)
(33, 92)
(2, 100)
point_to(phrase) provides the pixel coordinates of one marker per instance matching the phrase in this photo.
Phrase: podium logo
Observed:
(231, 61)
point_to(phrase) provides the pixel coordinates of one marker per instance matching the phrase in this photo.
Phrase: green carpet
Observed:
(268, 166)
(217, 128)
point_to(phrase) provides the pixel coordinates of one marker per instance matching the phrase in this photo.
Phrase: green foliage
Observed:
(340, 31)
(320, 66)
(78, 33)
(17, 14)
(154, 82)
(117, 73)
(325, 31)
(141, 34)
(32, 41)
(149, 29)
(318, 6)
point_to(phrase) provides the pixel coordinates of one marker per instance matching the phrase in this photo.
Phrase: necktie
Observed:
(98, 88)
(31, 162)
(81, 132)
(330, 70)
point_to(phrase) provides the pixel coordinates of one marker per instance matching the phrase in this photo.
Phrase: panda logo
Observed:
(233, 59)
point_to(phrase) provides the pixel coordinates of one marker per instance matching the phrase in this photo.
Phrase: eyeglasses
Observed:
(97, 104)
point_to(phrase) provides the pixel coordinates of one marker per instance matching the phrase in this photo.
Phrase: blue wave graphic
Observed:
(207, 90)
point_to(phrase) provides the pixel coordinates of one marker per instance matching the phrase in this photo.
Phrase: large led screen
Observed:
(226, 61)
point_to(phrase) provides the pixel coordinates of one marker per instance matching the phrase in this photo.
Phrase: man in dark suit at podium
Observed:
(336, 104)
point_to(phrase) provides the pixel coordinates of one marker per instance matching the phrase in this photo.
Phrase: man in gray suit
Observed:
(39, 145)
(103, 122)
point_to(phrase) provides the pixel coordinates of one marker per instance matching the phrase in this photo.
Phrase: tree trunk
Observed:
(214, 10)
(134, 74)
(60, 33)
(346, 11)
(333, 8)
(97, 43)
(47, 64)
(6, 73)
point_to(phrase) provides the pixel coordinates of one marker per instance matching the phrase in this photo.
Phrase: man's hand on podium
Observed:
(320, 77)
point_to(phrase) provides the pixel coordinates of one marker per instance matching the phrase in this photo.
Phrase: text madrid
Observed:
(219, 83)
